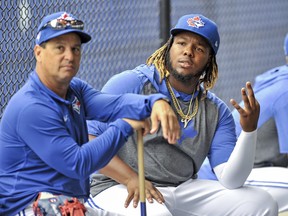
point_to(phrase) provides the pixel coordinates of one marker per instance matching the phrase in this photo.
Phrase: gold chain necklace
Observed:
(184, 118)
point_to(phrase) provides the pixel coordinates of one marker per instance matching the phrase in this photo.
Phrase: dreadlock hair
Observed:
(158, 58)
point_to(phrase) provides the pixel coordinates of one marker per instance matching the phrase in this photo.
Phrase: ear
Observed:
(37, 53)
(209, 59)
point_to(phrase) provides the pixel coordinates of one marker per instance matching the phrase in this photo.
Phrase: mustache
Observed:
(182, 78)
(188, 60)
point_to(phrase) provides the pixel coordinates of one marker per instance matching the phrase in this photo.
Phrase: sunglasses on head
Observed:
(59, 24)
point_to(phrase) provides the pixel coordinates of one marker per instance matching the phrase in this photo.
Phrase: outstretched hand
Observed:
(249, 114)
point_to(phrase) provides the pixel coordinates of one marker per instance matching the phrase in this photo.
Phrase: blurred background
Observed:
(126, 32)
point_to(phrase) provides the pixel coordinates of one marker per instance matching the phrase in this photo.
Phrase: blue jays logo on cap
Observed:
(66, 16)
(196, 22)
(200, 25)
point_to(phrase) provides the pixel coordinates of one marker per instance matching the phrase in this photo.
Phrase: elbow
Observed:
(232, 184)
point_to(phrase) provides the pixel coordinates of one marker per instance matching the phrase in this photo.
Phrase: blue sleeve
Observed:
(280, 108)
(224, 139)
(47, 136)
(96, 128)
(125, 82)
(109, 107)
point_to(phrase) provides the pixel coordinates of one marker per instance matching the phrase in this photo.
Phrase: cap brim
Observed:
(50, 34)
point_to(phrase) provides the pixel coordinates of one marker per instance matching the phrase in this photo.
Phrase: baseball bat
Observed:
(141, 172)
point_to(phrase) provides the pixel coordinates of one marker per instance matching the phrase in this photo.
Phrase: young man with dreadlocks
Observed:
(185, 69)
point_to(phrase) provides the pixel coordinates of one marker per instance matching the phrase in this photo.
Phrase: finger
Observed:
(160, 120)
(173, 130)
(128, 200)
(165, 126)
(237, 107)
(173, 127)
(157, 195)
(245, 99)
(176, 129)
(148, 196)
(251, 95)
(170, 132)
(154, 123)
(135, 199)
(146, 128)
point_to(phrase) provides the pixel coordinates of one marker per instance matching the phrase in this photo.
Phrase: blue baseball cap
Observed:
(200, 25)
(60, 23)
(286, 45)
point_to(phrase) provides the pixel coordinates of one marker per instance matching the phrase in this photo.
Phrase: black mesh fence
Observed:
(126, 32)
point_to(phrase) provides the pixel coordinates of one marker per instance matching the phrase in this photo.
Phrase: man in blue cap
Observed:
(184, 69)
(45, 154)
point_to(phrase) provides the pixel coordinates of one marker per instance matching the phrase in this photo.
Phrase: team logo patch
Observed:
(76, 105)
(65, 16)
(195, 22)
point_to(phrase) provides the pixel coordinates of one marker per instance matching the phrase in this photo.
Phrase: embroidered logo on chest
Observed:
(76, 105)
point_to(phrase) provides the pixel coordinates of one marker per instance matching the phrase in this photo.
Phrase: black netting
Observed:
(251, 34)
(126, 32)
